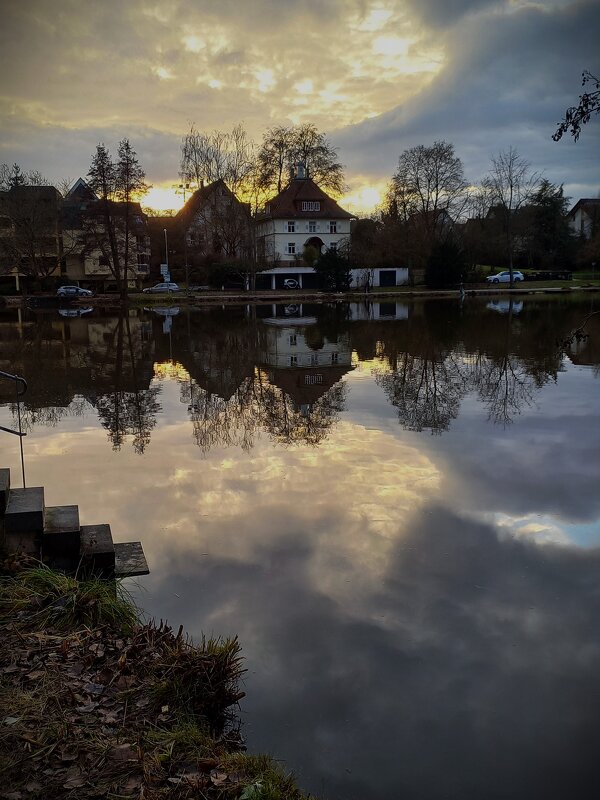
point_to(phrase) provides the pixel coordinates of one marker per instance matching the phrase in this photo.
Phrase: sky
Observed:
(377, 76)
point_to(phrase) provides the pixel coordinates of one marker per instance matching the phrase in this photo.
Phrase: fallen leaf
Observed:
(122, 752)
(219, 778)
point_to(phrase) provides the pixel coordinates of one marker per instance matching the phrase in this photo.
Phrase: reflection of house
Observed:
(584, 217)
(303, 372)
(87, 246)
(378, 311)
(301, 221)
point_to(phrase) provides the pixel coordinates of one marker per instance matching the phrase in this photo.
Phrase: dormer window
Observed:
(311, 205)
(291, 226)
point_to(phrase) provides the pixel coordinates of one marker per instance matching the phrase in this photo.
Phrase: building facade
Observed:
(294, 228)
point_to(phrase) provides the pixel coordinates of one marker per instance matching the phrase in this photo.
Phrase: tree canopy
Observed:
(576, 116)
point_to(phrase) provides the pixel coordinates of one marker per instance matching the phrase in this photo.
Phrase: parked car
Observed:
(290, 283)
(73, 291)
(504, 277)
(162, 288)
(74, 312)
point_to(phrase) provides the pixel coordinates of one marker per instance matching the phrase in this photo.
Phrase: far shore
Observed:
(220, 297)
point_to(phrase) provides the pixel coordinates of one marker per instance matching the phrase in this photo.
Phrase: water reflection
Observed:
(281, 369)
(418, 613)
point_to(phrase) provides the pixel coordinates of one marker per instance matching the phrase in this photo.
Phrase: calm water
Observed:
(396, 507)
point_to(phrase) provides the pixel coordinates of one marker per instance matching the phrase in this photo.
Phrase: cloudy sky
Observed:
(379, 76)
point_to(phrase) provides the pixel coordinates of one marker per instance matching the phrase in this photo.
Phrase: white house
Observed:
(584, 217)
(296, 226)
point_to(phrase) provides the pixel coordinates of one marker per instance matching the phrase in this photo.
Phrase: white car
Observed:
(162, 288)
(504, 277)
(73, 291)
(290, 283)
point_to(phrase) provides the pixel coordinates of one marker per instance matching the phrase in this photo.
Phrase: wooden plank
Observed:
(4, 488)
(25, 510)
(130, 560)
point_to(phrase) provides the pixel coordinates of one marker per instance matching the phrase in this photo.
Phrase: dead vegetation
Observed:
(96, 705)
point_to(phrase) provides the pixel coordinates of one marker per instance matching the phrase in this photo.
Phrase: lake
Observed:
(395, 506)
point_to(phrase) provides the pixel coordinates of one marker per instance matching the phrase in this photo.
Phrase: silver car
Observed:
(504, 277)
(162, 288)
(73, 291)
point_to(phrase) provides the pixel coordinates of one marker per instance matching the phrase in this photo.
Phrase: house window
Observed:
(293, 361)
(333, 247)
(312, 226)
(334, 358)
(314, 359)
(310, 380)
(291, 226)
(103, 261)
(333, 226)
(291, 248)
(311, 205)
(293, 340)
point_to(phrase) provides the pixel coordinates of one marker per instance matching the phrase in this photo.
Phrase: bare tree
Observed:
(427, 194)
(218, 155)
(576, 116)
(510, 185)
(31, 238)
(284, 146)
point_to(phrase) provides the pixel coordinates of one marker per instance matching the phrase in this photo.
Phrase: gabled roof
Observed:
(199, 199)
(288, 203)
(590, 205)
(80, 191)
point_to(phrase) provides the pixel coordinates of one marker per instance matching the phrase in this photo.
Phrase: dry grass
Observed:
(94, 704)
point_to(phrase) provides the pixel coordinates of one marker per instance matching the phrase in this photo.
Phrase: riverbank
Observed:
(292, 297)
(96, 703)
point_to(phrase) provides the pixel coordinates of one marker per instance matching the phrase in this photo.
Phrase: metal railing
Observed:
(20, 389)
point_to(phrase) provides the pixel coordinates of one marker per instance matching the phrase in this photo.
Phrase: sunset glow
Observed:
(163, 198)
(377, 77)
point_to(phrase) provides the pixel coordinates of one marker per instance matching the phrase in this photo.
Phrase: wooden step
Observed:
(61, 532)
(25, 511)
(4, 488)
(97, 551)
(130, 560)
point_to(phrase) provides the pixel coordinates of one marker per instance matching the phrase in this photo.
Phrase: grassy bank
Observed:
(95, 703)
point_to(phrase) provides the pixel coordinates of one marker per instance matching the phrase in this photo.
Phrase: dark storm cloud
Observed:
(462, 668)
(443, 13)
(507, 80)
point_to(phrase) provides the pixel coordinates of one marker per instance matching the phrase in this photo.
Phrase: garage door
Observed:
(387, 277)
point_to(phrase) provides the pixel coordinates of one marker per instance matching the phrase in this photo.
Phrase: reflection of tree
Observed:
(289, 423)
(127, 411)
(220, 422)
(426, 390)
(427, 372)
(258, 404)
(48, 416)
(504, 385)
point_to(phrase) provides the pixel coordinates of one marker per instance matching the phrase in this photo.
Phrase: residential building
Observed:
(584, 217)
(87, 252)
(212, 227)
(294, 228)
(30, 232)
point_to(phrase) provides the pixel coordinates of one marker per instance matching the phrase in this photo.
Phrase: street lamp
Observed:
(166, 276)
